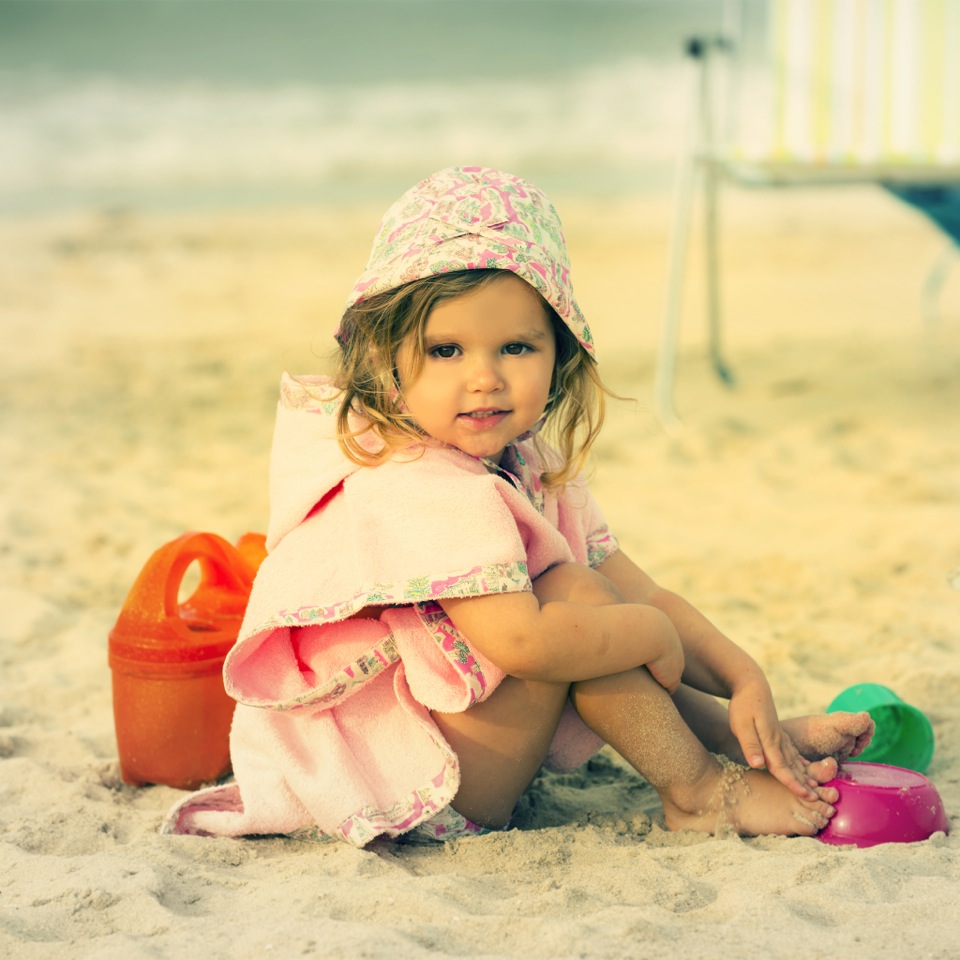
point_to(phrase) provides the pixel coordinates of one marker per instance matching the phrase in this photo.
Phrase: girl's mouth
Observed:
(482, 419)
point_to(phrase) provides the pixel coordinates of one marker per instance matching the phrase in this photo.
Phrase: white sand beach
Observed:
(811, 511)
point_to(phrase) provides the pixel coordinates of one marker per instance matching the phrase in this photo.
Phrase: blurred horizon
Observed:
(239, 102)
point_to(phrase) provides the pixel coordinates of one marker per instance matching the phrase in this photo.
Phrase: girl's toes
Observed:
(823, 770)
(821, 813)
(828, 795)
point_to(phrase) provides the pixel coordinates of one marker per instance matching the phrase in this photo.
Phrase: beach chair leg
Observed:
(933, 285)
(712, 260)
(666, 366)
(666, 369)
(711, 201)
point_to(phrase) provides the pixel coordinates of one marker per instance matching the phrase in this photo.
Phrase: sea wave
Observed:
(103, 137)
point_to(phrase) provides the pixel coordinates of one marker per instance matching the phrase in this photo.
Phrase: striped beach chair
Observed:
(843, 91)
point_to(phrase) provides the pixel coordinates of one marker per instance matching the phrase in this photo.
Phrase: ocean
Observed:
(187, 103)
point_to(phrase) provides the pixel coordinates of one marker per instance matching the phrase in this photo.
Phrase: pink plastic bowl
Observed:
(883, 804)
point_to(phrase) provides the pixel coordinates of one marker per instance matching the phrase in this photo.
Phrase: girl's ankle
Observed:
(694, 796)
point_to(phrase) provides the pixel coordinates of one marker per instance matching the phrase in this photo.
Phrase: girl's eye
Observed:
(445, 351)
(517, 349)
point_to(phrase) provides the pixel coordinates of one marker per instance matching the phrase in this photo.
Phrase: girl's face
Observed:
(487, 368)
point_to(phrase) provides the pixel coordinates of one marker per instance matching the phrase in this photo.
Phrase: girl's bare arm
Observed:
(564, 641)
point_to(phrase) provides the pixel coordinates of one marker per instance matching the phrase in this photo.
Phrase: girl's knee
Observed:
(635, 682)
(541, 698)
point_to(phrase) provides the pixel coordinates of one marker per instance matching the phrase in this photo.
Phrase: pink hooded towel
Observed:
(332, 735)
(345, 649)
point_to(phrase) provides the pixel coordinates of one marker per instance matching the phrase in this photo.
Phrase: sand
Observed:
(812, 512)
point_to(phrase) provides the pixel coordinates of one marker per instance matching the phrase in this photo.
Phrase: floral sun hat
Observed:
(473, 218)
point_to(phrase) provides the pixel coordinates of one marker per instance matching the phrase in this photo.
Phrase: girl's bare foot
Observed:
(837, 735)
(750, 802)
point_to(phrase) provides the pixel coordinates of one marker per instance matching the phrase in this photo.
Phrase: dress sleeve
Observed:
(581, 521)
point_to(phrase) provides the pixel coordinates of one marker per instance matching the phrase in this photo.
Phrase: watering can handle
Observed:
(224, 576)
(223, 591)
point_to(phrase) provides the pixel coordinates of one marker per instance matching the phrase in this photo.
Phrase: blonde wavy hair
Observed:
(371, 334)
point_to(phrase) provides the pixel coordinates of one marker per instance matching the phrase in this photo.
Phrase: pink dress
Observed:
(332, 735)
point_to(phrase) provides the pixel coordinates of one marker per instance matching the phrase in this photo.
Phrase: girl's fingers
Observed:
(786, 764)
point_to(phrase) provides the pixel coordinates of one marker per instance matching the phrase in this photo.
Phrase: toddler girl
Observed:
(443, 609)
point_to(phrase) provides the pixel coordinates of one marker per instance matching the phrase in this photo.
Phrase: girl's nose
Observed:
(484, 376)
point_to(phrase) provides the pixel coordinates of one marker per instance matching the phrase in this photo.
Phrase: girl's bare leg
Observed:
(817, 736)
(708, 720)
(837, 735)
(637, 717)
(501, 744)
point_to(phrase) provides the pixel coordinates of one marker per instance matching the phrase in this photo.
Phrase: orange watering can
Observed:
(171, 713)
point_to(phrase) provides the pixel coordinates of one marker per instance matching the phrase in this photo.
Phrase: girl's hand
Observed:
(754, 722)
